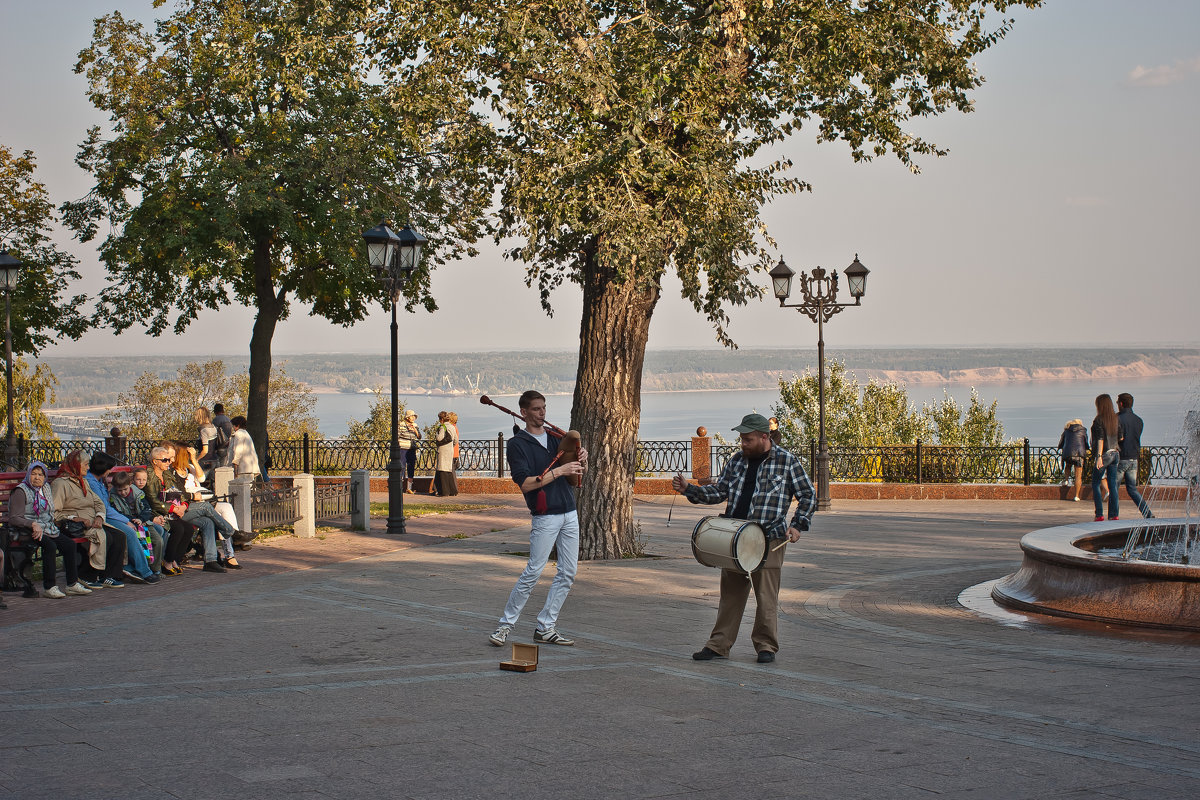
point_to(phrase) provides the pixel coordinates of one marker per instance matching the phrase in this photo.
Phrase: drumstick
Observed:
(781, 544)
(671, 510)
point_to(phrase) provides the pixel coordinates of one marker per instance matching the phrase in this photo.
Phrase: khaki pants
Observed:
(735, 589)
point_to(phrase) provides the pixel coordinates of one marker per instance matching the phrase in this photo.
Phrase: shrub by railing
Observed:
(921, 463)
(1019, 462)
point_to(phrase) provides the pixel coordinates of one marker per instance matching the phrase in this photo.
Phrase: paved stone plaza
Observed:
(373, 677)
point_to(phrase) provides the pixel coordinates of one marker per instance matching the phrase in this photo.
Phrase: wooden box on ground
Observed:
(524, 658)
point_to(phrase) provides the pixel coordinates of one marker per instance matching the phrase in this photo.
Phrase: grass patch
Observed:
(425, 509)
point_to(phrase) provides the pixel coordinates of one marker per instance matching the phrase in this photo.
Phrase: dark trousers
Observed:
(410, 458)
(52, 546)
(179, 538)
(114, 557)
(735, 590)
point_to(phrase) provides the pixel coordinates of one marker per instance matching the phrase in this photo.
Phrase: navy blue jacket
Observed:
(527, 458)
(1131, 434)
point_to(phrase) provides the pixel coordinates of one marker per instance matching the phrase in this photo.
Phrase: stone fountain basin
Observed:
(1061, 574)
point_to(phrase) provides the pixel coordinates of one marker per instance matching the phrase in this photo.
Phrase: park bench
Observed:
(20, 558)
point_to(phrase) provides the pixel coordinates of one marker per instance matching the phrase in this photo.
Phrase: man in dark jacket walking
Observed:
(534, 467)
(1130, 441)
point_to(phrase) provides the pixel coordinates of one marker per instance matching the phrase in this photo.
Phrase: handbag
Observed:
(72, 527)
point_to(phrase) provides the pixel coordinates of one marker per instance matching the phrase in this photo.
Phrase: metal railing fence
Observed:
(1015, 463)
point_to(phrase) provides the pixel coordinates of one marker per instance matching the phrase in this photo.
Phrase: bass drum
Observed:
(729, 544)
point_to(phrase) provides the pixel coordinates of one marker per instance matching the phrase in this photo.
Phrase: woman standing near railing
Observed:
(446, 437)
(410, 438)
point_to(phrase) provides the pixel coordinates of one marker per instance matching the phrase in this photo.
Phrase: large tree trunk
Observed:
(608, 407)
(269, 307)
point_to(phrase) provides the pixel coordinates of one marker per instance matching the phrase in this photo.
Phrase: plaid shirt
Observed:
(780, 478)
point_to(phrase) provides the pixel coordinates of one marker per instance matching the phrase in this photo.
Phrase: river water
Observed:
(1036, 409)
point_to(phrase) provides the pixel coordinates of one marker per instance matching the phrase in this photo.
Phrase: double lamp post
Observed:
(394, 257)
(820, 291)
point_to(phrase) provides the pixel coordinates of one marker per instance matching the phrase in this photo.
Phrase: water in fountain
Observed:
(1174, 536)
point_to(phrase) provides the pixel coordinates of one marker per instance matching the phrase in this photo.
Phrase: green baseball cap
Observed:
(754, 422)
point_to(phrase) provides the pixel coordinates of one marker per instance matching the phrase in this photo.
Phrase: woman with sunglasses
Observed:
(180, 532)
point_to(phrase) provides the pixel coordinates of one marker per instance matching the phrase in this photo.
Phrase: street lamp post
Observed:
(10, 269)
(394, 256)
(820, 290)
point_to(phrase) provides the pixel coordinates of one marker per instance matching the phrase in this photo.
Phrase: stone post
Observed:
(306, 526)
(221, 479)
(701, 456)
(114, 445)
(239, 497)
(360, 500)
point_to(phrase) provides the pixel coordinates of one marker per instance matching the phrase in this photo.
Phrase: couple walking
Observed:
(1116, 446)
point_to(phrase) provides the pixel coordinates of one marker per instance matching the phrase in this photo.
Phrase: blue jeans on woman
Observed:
(1099, 475)
(204, 517)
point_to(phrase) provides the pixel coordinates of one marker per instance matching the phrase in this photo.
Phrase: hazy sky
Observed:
(1065, 213)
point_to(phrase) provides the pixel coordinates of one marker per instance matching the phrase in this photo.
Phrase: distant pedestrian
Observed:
(1105, 429)
(446, 437)
(224, 427)
(242, 456)
(410, 440)
(776, 434)
(1073, 444)
(1130, 439)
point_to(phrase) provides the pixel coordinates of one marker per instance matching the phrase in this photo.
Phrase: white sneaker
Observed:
(54, 593)
(552, 637)
(500, 636)
(78, 589)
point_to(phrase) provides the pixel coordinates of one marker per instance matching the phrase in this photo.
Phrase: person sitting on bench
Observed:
(30, 508)
(73, 501)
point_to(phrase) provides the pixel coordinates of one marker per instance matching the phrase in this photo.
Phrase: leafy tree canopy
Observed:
(630, 130)
(249, 148)
(42, 311)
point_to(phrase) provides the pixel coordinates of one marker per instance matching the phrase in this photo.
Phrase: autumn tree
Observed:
(33, 388)
(165, 408)
(633, 138)
(249, 147)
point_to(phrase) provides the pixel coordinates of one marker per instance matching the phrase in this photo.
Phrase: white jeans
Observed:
(548, 530)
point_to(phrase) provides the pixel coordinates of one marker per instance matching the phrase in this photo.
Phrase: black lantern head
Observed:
(10, 270)
(781, 281)
(856, 276)
(382, 243)
(408, 251)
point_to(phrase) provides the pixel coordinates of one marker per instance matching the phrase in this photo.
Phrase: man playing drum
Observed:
(759, 484)
(543, 477)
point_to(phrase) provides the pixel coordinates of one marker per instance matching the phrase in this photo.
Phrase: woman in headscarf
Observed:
(31, 508)
(73, 501)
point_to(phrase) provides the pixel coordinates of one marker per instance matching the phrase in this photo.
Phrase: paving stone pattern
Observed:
(357, 666)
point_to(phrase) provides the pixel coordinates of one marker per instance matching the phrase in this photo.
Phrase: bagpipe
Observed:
(568, 442)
